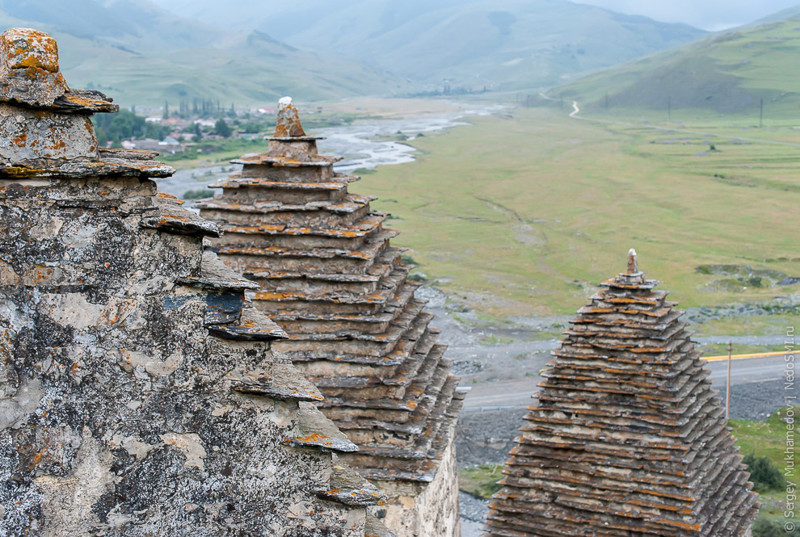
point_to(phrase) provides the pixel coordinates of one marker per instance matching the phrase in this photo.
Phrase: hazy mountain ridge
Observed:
(728, 72)
(498, 44)
(135, 24)
(502, 44)
(142, 54)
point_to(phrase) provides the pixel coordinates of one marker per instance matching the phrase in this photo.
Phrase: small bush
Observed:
(418, 277)
(480, 481)
(764, 474)
(198, 194)
(363, 171)
(408, 260)
(771, 527)
(764, 527)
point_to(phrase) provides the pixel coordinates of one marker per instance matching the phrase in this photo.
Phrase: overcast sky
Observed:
(707, 14)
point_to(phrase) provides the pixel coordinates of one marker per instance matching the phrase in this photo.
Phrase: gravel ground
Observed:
(473, 514)
(484, 437)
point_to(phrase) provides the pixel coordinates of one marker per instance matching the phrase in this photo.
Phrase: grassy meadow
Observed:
(524, 212)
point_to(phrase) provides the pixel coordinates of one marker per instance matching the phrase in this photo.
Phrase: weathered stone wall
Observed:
(118, 414)
(138, 392)
(423, 510)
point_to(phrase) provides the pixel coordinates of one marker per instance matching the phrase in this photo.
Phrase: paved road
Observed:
(517, 393)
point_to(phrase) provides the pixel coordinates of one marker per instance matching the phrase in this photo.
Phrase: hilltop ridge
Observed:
(456, 46)
(727, 73)
(145, 55)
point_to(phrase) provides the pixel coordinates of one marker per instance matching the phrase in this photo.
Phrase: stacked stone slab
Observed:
(627, 437)
(138, 392)
(329, 277)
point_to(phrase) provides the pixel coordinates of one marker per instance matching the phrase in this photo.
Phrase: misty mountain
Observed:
(135, 24)
(141, 54)
(779, 16)
(498, 44)
(731, 72)
(253, 51)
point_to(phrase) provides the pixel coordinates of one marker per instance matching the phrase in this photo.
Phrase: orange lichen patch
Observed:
(117, 311)
(38, 458)
(268, 229)
(313, 438)
(20, 172)
(169, 218)
(40, 274)
(21, 139)
(170, 197)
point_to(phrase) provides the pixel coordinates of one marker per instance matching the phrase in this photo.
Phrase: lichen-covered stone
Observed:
(288, 123)
(29, 67)
(121, 408)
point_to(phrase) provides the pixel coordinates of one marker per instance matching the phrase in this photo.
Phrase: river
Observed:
(363, 144)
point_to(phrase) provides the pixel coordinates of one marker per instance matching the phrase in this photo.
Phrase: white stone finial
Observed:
(633, 263)
(287, 123)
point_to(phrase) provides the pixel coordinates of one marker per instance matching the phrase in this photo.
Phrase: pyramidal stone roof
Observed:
(330, 278)
(627, 437)
(138, 391)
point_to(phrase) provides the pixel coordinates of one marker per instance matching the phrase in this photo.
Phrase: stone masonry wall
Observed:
(138, 392)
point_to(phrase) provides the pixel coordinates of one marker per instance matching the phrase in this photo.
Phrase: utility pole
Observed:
(728, 386)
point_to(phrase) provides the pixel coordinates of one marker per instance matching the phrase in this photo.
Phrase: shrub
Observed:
(764, 527)
(771, 527)
(198, 194)
(764, 474)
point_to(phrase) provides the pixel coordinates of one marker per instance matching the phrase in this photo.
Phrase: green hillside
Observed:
(466, 44)
(253, 71)
(728, 73)
(524, 212)
(132, 24)
(142, 55)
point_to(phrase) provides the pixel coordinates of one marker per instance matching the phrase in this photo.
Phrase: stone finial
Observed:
(29, 68)
(633, 263)
(287, 124)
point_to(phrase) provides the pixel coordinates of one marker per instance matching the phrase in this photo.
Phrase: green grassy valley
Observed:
(526, 211)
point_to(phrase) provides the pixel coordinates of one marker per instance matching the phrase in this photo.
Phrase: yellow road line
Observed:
(743, 356)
